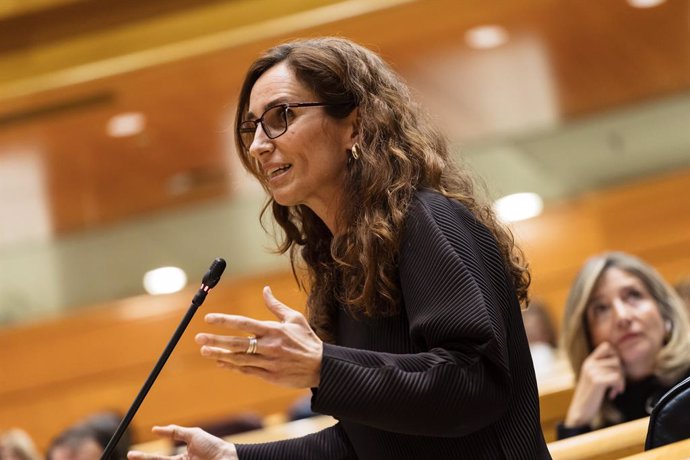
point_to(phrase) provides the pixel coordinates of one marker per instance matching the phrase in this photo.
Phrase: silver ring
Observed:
(251, 348)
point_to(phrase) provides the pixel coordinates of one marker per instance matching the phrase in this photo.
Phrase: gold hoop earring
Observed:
(355, 153)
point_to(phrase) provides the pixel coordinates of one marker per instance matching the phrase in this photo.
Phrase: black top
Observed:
(451, 376)
(635, 402)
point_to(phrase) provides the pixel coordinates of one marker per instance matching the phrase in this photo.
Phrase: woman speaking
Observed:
(413, 337)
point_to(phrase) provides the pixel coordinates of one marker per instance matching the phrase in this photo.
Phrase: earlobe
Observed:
(354, 120)
(355, 152)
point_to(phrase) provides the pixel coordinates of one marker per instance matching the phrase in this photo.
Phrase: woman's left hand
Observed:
(288, 352)
(200, 445)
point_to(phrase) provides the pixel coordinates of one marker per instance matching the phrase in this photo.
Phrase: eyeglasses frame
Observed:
(285, 106)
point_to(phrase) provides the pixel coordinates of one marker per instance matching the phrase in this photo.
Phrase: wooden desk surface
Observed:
(284, 430)
(608, 443)
(555, 393)
(562, 378)
(677, 451)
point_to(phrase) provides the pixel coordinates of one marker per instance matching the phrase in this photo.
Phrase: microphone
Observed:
(208, 282)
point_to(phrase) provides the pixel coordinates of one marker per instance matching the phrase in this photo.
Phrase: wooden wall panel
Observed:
(555, 245)
(650, 219)
(645, 217)
(57, 372)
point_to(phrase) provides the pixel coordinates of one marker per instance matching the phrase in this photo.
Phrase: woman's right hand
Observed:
(601, 376)
(200, 445)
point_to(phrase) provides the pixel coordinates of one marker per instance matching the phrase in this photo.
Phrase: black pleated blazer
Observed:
(449, 377)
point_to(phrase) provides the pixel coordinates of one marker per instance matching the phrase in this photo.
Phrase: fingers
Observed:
(603, 358)
(242, 323)
(137, 455)
(174, 432)
(278, 308)
(239, 344)
(604, 350)
(604, 369)
(237, 359)
(607, 359)
(611, 364)
(617, 386)
(232, 344)
(606, 378)
(259, 328)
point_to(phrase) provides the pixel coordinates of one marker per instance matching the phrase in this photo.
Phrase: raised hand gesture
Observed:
(601, 377)
(286, 351)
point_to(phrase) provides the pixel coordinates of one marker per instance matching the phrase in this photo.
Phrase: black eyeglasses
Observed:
(274, 121)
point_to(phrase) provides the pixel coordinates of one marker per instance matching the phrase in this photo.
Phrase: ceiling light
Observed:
(165, 280)
(126, 124)
(518, 206)
(485, 37)
(645, 3)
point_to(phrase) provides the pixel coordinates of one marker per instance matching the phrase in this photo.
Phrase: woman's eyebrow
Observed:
(268, 105)
(592, 300)
(636, 285)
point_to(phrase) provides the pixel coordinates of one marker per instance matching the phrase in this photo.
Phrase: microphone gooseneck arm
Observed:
(209, 281)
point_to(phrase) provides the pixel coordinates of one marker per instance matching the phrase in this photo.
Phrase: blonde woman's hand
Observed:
(601, 377)
(200, 445)
(287, 352)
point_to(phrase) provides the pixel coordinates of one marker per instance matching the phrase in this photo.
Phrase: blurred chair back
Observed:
(670, 419)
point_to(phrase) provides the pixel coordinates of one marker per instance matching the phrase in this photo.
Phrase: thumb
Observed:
(278, 308)
(174, 432)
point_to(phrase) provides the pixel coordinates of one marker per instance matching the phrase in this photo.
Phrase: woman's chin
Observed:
(284, 202)
(282, 197)
(638, 365)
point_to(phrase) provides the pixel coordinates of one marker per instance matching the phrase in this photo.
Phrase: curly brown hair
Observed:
(400, 151)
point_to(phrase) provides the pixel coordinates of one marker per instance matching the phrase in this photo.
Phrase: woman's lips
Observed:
(278, 171)
(628, 337)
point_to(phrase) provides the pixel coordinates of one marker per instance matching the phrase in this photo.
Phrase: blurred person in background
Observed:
(87, 439)
(413, 338)
(541, 336)
(75, 443)
(682, 287)
(626, 335)
(300, 409)
(16, 444)
(104, 424)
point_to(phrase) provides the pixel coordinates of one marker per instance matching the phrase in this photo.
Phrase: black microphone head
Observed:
(214, 273)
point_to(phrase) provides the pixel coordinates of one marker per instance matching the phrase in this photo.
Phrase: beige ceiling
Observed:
(577, 81)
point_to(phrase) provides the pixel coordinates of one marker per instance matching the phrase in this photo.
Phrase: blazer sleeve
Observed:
(330, 443)
(460, 382)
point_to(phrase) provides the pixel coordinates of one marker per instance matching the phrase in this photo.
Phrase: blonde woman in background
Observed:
(626, 335)
(682, 287)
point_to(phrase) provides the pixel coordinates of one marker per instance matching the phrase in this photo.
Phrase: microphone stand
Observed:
(210, 280)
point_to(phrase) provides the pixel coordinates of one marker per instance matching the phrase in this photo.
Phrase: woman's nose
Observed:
(622, 312)
(260, 144)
